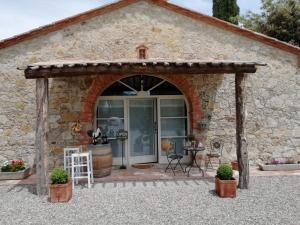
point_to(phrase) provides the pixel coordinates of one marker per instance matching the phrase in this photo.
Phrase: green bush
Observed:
(224, 172)
(59, 176)
(7, 168)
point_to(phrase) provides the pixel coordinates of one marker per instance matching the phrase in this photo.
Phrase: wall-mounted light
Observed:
(204, 122)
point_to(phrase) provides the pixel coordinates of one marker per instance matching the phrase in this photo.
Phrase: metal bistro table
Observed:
(193, 151)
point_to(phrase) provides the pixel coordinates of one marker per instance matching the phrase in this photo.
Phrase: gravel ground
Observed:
(270, 200)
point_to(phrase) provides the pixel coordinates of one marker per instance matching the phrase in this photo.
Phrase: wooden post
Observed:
(41, 136)
(241, 142)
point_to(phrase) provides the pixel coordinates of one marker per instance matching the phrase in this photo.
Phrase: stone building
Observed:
(150, 106)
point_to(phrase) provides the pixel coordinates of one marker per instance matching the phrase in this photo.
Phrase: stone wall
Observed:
(273, 92)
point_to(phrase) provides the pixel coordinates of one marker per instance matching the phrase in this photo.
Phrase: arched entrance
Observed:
(150, 109)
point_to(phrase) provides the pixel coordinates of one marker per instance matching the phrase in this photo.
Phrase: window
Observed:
(132, 86)
(174, 119)
(110, 118)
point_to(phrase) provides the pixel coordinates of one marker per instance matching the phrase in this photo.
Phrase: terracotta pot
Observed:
(235, 165)
(61, 192)
(226, 188)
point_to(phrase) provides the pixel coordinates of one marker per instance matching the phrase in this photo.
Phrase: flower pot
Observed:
(226, 188)
(235, 165)
(61, 192)
(19, 175)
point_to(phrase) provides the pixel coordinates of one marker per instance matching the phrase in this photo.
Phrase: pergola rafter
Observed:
(42, 71)
(85, 68)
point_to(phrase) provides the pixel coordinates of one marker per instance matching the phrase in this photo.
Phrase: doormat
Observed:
(142, 165)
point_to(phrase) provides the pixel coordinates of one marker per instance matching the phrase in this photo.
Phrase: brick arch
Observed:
(100, 83)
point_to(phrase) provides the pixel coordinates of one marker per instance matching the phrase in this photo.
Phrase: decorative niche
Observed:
(142, 52)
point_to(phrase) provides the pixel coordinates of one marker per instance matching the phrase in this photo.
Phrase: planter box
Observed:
(61, 192)
(15, 175)
(225, 188)
(279, 167)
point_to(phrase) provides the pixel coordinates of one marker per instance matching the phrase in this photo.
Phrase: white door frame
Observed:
(161, 159)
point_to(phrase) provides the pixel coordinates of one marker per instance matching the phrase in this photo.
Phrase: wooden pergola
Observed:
(42, 71)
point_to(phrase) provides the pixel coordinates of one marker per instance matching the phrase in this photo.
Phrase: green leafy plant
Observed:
(13, 166)
(224, 172)
(6, 168)
(59, 176)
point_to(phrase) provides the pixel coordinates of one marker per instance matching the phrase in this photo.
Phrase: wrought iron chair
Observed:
(169, 147)
(216, 151)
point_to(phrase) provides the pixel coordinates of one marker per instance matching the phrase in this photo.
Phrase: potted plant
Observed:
(61, 187)
(225, 184)
(14, 170)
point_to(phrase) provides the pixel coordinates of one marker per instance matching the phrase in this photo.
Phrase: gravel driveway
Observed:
(270, 200)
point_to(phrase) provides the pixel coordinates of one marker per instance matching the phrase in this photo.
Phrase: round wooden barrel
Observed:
(102, 160)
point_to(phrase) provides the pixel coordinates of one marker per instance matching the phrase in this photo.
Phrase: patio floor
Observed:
(157, 173)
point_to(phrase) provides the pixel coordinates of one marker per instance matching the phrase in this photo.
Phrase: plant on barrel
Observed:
(61, 187)
(225, 184)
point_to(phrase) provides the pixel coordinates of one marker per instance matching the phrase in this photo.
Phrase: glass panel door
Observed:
(173, 119)
(142, 131)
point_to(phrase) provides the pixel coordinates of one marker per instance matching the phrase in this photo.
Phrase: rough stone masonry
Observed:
(273, 103)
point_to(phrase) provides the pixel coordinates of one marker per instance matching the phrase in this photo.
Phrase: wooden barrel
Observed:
(102, 160)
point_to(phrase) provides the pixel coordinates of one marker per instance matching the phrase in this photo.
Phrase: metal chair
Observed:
(216, 151)
(169, 147)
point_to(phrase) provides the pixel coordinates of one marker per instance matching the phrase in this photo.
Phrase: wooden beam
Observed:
(41, 136)
(125, 69)
(241, 142)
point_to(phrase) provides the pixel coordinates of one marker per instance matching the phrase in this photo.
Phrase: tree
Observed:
(279, 19)
(227, 10)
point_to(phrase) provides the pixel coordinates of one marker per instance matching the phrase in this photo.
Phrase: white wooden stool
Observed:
(81, 160)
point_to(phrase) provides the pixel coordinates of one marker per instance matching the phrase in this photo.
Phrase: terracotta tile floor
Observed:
(157, 173)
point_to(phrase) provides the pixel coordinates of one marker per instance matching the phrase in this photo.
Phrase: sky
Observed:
(18, 16)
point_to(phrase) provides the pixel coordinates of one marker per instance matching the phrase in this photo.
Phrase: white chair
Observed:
(78, 162)
(67, 157)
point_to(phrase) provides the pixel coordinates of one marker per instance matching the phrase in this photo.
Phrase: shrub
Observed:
(59, 176)
(224, 172)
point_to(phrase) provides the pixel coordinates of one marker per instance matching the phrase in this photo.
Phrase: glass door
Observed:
(142, 131)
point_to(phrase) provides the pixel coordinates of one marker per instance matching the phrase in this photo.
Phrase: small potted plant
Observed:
(61, 187)
(225, 184)
(14, 170)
